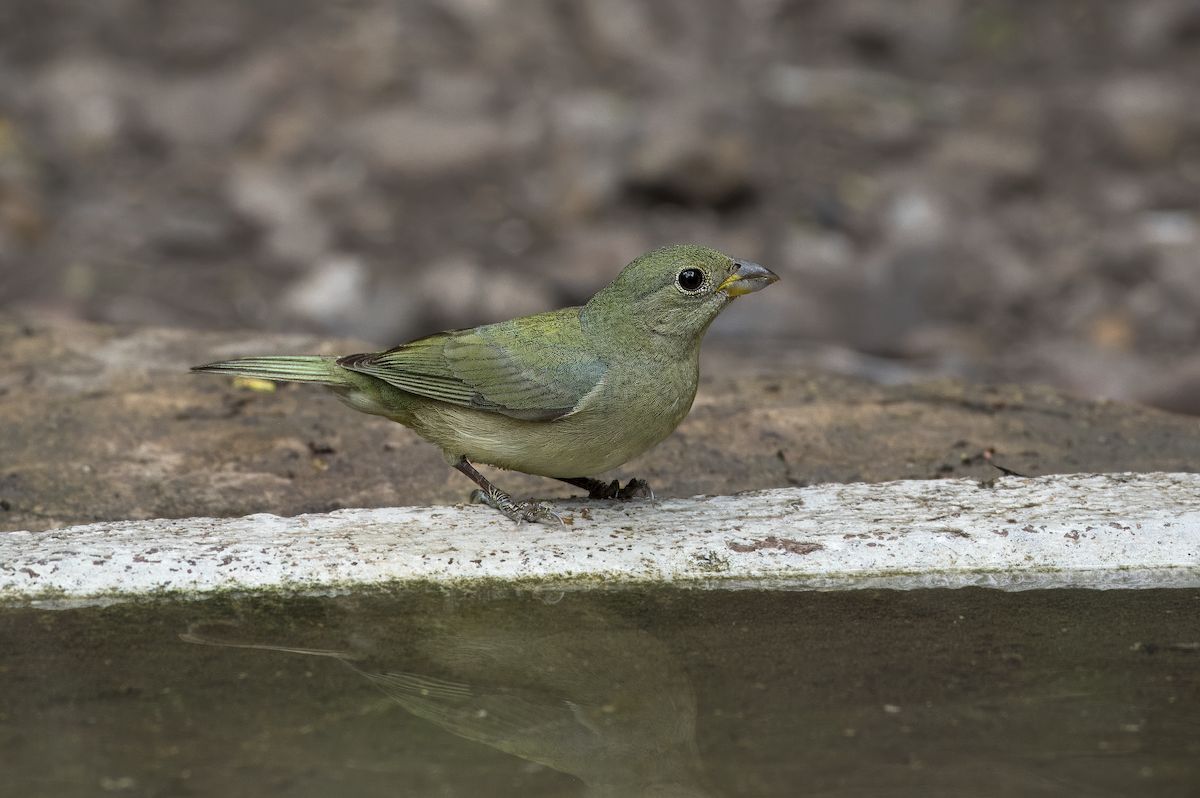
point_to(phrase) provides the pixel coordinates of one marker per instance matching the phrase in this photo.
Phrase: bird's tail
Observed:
(283, 368)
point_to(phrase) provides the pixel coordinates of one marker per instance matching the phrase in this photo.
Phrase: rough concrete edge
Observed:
(1122, 531)
(1108, 579)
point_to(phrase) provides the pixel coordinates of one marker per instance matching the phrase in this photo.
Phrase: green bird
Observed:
(566, 394)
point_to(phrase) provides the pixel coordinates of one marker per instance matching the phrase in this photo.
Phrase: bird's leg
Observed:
(497, 499)
(611, 490)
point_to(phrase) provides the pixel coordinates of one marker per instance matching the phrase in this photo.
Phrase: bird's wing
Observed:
(418, 366)
(533, 368)
(537, 726)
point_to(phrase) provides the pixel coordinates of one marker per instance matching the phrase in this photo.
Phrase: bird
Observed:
(566, 394)
(571, 685)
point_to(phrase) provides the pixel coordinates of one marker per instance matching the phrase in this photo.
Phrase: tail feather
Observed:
(283, 368)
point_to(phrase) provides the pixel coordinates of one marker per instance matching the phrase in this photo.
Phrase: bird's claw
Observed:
(634, 489)
(521, 512)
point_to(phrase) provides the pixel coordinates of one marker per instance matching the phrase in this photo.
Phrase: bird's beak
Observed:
(747, 278)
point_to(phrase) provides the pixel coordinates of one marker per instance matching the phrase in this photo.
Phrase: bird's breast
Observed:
(627, 413)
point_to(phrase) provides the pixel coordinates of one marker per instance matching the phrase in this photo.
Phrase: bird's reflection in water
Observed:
(577, 689)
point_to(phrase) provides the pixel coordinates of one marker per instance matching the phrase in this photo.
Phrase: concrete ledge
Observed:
(1081, 530)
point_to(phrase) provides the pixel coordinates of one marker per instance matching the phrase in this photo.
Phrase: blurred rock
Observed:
(506, 295)
(590, 131)
(1005, 163)
(455, 93)
(1086, 369)
(274, 200)
(370, 51)
(341, 296)
(393, 314)
(587, 258)
(1177, 391)
(334, 292)
(692, 155)
(85, 101)
(416, 143)
(22, 185)
(1147, 28)
(108, 218)
(191, 33)
(621, 29)
(1011, 277)
(821, 272)
(906, 281)
(1017, 112)
(1168, 228)
(878, 105)
(1177, 270)
(917, 216)
(1126, 260)
(1113, 331)
(810, 88)
(898, 296)
(195, 227)
(453, 288)
(826, 254)
(880, 29)
(1147, 115)
(475, 11)
(201, 112)
(953, 347)
(513, 236)
(1123, 196)
(457, 292)
(1166, 318)
(291, 127)
(131, 310)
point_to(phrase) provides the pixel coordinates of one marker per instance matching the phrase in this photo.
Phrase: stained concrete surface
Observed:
(1097, 531)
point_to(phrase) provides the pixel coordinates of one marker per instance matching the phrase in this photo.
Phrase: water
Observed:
(666, 693)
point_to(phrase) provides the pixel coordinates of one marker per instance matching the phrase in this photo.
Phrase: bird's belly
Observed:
(579, 445)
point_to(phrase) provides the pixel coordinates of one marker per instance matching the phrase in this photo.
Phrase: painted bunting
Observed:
(573, 685)
(566, 394)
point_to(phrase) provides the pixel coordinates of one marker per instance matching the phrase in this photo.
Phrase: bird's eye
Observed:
(690, 279)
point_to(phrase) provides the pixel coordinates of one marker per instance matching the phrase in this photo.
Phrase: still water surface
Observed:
(658, 692)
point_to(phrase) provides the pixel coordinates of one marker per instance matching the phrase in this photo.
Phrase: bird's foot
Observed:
(634, 488)
(521, 512)
(493, 497)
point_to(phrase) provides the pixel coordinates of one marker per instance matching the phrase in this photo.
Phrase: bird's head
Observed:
(676, 292)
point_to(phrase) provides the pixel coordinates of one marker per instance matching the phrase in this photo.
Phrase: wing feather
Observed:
(536, 368)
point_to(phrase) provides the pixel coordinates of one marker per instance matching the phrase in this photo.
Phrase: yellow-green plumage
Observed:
(568, 394)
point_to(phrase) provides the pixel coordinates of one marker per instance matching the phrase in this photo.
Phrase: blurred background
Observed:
(999, 191)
